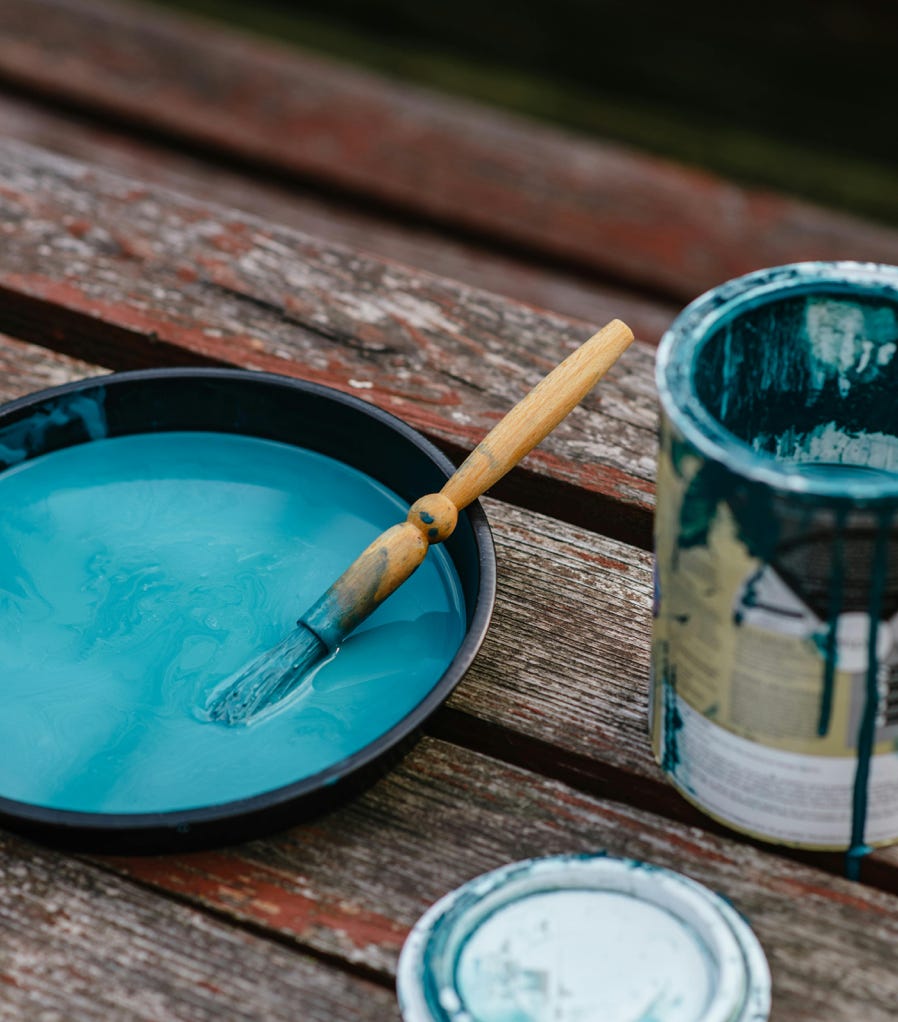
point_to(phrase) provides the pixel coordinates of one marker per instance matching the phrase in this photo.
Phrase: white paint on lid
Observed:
(582, 939)
(575, 955)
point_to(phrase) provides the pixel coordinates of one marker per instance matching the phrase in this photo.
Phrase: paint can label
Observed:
(759, 688)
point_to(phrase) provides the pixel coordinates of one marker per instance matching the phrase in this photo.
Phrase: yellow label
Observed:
(736, 646)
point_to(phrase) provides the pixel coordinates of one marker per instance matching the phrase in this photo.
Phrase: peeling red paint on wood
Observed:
(446, 358)
(144, 322)
(599, 206)
(447, 814)
(797, 888)
(269, 897)
(122, 952)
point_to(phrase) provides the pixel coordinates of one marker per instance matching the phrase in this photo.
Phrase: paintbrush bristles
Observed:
(267, 680)
(380, 569)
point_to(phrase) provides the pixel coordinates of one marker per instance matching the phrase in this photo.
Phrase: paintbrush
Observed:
(395, 554)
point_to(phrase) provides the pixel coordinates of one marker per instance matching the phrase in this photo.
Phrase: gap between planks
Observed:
(79, 943)
(119, 273)
(672, 229)
(529, 280)
(561, 682)
(354, 880)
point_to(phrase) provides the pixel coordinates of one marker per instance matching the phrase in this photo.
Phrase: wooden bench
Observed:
(542, 748)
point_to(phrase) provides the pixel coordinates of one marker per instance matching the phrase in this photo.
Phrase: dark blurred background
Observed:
(795, 94)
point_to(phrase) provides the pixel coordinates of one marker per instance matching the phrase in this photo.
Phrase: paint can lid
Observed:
(582, 939)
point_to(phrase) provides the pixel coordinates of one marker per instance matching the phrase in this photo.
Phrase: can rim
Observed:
(714, 309)
(742, 981)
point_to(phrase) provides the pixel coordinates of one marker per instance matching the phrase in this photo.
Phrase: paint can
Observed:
(774, 704)
(582, 937)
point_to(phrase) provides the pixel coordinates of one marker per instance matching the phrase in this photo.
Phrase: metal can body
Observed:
(774, 701)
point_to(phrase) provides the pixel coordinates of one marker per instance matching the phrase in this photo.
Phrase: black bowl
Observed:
(292, 412)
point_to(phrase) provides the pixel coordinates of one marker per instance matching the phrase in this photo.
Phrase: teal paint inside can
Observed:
(775, 642)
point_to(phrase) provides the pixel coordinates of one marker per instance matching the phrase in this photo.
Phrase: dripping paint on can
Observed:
(775, 647)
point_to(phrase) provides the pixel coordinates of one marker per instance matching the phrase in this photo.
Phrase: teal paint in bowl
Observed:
(582, 938)
(775, 650)
(158, 530)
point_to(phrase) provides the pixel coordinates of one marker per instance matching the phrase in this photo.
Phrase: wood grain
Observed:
(672, 229)
(561, 683)
(566, 660)
(80, 945)
(25, 368)
(125, 275)
(537, 414)
(352, 883)
(349, 885)
(113, 272)
(535, 281)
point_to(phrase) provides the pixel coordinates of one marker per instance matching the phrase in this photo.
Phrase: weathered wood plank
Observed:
(414, 244)
(566, 660)
(599, 206)
(352, 883)
(125, 275)
(25, 368)
(80, 945)
(561, 683)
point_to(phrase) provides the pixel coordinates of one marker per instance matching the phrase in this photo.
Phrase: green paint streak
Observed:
(750, 596)
(786, 371)
(830, 645)
(867, 730)
(711, 486)
(853, 859)
(673, 723)
(750, 503)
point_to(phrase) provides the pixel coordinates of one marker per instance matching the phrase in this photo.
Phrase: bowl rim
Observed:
(83, 828)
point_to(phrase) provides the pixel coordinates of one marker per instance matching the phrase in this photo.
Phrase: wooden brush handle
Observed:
(537, 414)
(395, 554)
